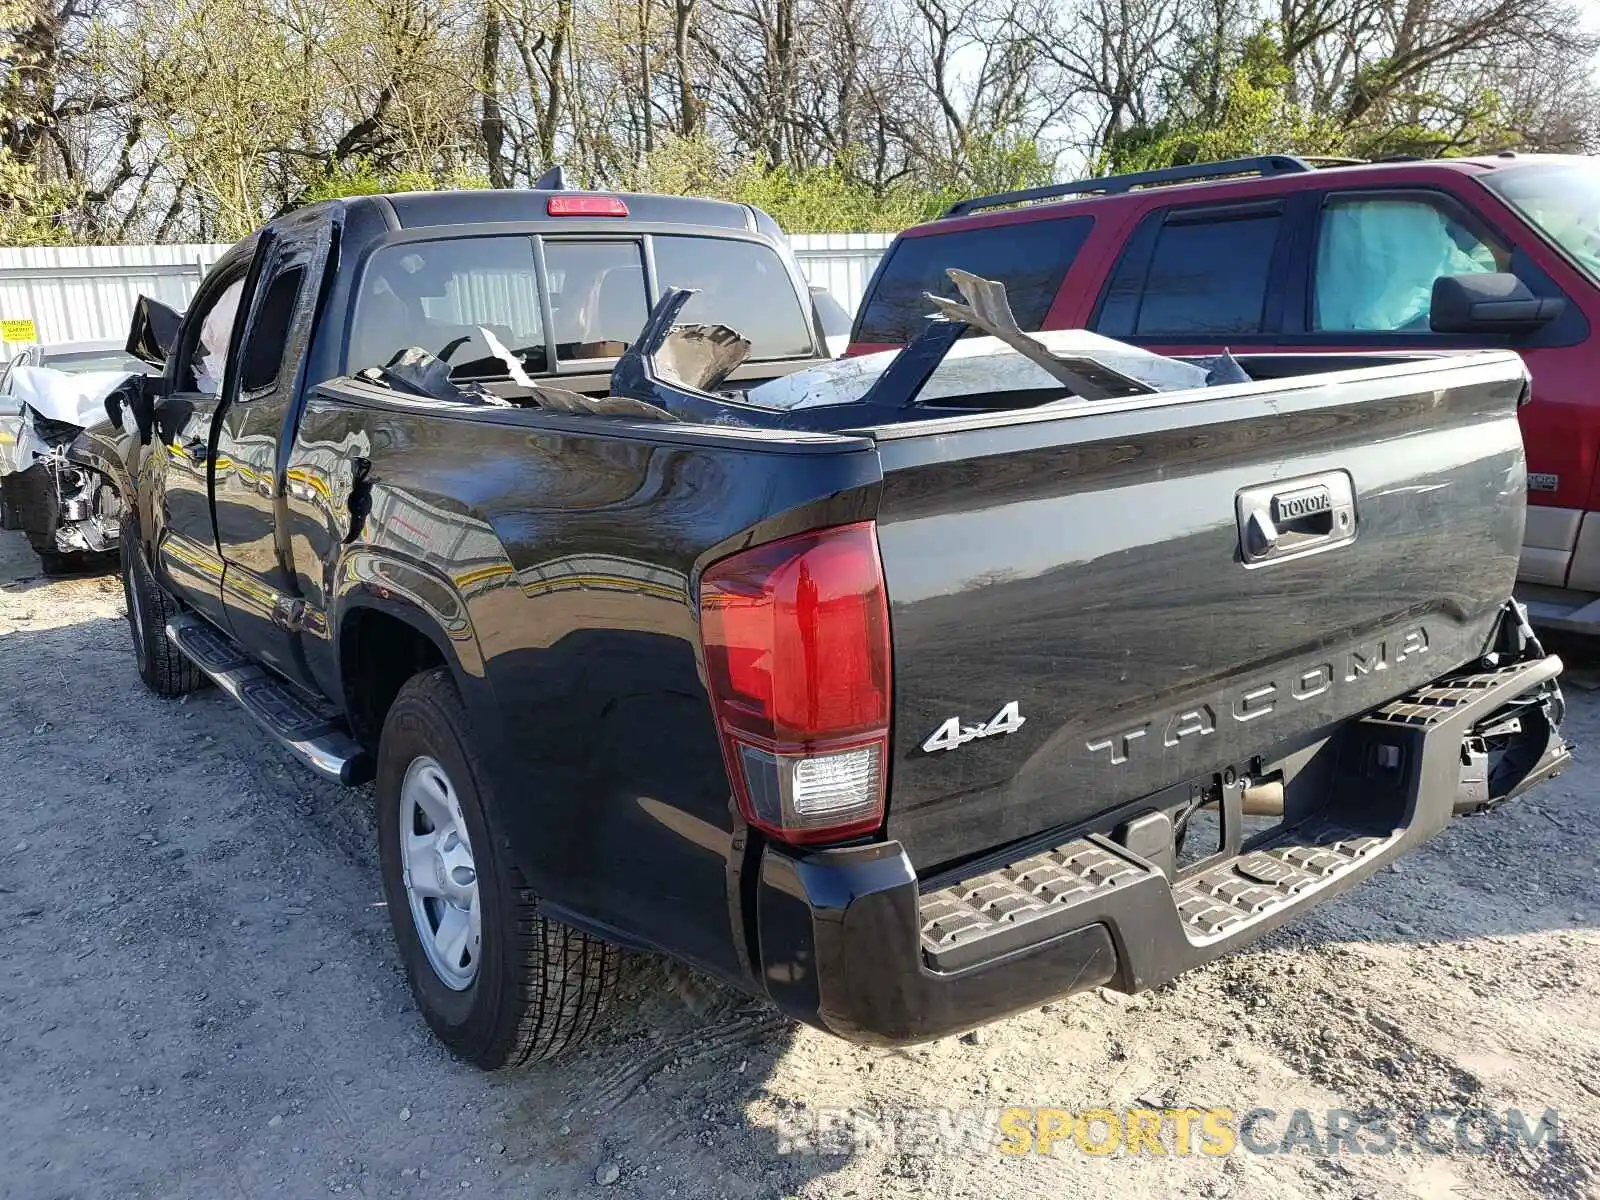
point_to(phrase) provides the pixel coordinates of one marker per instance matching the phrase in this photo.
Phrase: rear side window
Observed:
(740, 284)
(1204, 277)
(269, 333)
(1030, 258)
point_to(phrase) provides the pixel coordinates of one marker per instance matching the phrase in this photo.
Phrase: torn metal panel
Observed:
(987, 308)
(642, 373)
(513, 364)
(701, 356)
(941, 365)
(556, 399)
(673, 372)
(417, 373)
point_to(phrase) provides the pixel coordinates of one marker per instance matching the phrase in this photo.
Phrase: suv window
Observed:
(1207, 275)
(1377, 259)
(1030, 258)
(437, 294)
(740, 284)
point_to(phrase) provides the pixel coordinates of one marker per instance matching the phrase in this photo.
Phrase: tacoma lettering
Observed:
(1263, 697)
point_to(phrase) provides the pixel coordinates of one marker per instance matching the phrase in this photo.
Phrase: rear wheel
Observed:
(162, 666)
(499, 984)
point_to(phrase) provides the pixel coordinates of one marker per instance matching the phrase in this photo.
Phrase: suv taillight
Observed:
(796, 638)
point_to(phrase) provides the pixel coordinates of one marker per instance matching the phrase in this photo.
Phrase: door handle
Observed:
(1295, 517)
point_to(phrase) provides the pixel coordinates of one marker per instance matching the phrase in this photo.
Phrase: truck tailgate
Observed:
(1084, 571)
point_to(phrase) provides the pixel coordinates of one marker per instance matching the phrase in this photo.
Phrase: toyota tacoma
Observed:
(907, 691)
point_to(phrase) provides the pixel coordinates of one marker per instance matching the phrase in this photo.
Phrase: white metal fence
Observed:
(841, 262)
(84, 293)
(81, 293)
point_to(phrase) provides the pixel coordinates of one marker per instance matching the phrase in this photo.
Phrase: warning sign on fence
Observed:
(18, 331)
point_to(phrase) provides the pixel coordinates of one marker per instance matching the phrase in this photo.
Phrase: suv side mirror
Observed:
(1489, 303)
(154, 331)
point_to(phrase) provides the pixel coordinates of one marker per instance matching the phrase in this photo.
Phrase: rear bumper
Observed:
(851, 943)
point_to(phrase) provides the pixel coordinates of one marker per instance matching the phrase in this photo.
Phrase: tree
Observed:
(123, 120)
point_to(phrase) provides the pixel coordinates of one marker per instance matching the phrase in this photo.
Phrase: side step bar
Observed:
(315, 738)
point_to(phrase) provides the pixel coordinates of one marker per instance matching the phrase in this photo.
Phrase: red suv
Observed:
(1289, 256)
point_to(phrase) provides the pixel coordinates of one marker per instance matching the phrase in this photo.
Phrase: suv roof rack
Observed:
(1108, 185)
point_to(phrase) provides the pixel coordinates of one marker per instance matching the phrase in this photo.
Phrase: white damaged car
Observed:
(56, 442)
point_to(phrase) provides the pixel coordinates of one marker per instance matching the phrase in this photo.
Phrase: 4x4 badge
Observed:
(953, 733)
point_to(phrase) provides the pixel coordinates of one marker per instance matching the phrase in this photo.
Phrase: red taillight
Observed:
(796, 637)
(586, 206)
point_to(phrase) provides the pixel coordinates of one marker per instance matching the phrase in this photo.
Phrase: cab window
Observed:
(739, 284)
(440, 296)
(597, 296)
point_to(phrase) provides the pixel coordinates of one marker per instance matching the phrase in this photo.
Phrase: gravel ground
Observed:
(198, 997)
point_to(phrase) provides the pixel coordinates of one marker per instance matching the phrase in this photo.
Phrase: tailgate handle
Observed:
(1289, 519)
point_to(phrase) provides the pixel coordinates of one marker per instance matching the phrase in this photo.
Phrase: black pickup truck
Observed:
(908, 709)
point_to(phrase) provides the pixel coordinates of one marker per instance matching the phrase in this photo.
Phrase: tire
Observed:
(162, 666)
(528, 988)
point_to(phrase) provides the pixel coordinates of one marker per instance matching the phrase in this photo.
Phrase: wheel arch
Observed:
(393, 620)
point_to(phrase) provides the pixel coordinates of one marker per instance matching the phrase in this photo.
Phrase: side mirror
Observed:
(1489, 303)
(154, 331)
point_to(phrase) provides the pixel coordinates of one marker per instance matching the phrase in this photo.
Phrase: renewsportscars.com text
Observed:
(1215, 1132)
